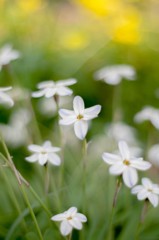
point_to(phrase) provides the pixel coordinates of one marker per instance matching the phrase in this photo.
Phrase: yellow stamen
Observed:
(79, 117)
(126, 162)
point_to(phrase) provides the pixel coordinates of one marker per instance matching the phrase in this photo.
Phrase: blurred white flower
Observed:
(113, 74)
(7, 54)
(153, 155)
(70, 219)
(148, 113)
(15, 132)
(125, 164)
(51, 88)
(5, 98)
(43, 154)
(79, 116)
(20, 94)
(147, 190)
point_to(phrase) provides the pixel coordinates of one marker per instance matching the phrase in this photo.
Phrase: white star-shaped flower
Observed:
(70, 219)
(125, 165)
(153, 155)
(5, 98)
(43, 154)
(51, 88)
(113, 74)
(148, 113)
(79, 116)
(147, 190)
(7, 54)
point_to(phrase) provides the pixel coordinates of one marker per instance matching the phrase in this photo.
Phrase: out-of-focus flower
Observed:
(51, 88)
(113, 74)
(7, 54)
(20, 94)
(5, 98)
(15, 132)
(125, 164)
(153, 155)
(43, 154)
(70, 219)
(147, 190)
(148, 113)
(79, 116)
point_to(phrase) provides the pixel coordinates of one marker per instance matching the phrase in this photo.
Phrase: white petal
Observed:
(32, 158)
(124, 150)
(146, 183)
(153, 198)
(47, 144)
(71, 211)
(76, 223)
(78, 105)
(50, 92)
(43, 158)
(4, 98)
(140, 165)
(58, 217)
(38, 93)
(67, 82)
(67, 121)
(136, 189)
(92, 112)
(143, 194)
(81, 128)
(110, 158)
(4, 89)
(66, 113)
(35, 148)
(81, 217)
(130, 177)
(64, 91)
(46, 84)
(117, 169)
(65, 228)
(54, 159)
(49, 148)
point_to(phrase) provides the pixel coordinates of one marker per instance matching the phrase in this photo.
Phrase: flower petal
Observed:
(43, 158)
(146, 183)
(65, 228)
(46, 84)
(67, 82)
(143, 194)
(35, 148)
(136, 189)
(4, 98)
(117, 169)
(64, 91)
(76, 223)
(110, 158)
(50, 92)
(58, 217)
(67, 121)
(81, 128)
(81, 217)
(92, 112)
(140, 165)
(38, 93)
(78, 105)
(71, 211)
(54, 159)
(124, 150)
(66, 113)
(32, 158)
(130, 177)
(153, 198)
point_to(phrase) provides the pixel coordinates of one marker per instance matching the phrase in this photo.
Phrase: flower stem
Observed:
(47, 179)
(84, 151)
(110, 229)
(69, 236)
(31, 212)
(116, 110)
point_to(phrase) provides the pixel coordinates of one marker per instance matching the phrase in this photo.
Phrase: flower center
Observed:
(149, 190)
(79, 117)
(69, 218)
(43, 152)
(126, 162)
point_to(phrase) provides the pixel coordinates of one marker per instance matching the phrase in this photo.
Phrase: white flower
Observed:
(125, 164)
(7, 54)
(79, 116)
(70, 219)
(5, 98)
(148, 113)
(153, 155)
(51, 88)
(114, 74)
(147, 190)
(43, 154)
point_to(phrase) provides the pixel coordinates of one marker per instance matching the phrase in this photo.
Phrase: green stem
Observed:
(69, 236)
(110, 229)
(47, 179)
(31, 212)
(84, 150)
(116, 110)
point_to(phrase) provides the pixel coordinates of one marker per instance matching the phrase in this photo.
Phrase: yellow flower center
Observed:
(126, 162)
(79, 117)
(69, 218)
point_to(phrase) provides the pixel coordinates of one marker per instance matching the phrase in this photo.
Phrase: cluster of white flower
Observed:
(124, 164)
